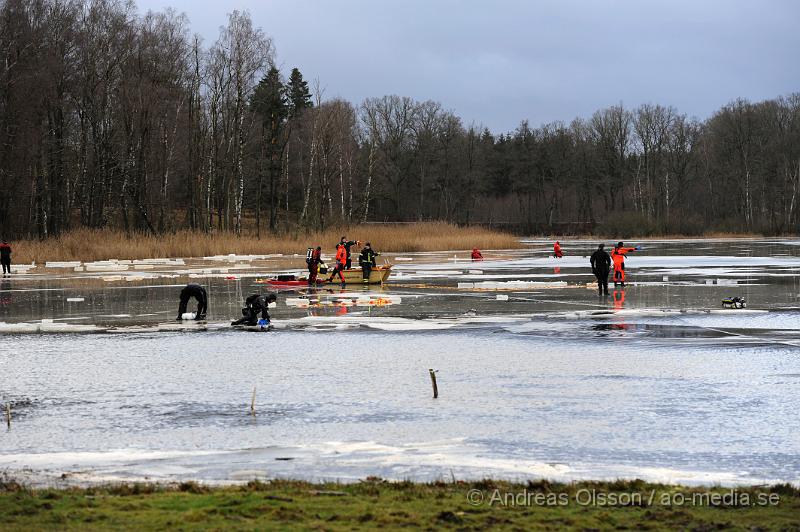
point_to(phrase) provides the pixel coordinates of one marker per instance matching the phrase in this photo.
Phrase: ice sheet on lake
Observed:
(347, 461)
(727, 319)
(47, 326)
(62, 264)
(652, 312)
(105, 267)
(512, 285)
(379, 323)
(641, 260)
(242, 258)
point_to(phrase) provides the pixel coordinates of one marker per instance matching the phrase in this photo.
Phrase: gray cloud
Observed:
(499, 62)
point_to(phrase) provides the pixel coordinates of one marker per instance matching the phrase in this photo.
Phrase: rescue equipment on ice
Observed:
(734, 302)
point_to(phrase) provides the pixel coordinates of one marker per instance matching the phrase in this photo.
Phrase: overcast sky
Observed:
(496, 62)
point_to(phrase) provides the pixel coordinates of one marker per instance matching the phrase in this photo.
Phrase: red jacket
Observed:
(341, 255)
(618, 256)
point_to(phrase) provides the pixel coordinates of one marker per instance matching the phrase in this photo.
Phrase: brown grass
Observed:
(88, 244)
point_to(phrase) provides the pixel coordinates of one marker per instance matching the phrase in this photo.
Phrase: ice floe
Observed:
(47, 326)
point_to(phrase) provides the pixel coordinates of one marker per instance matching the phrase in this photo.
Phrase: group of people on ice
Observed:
(602, 262)
(255, 305)
(316, 264)
(255, 312)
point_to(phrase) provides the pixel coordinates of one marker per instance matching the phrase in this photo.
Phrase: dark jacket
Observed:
(367, 257)
(257, 303)
(194, 290)
(5, 252)
(600, 261)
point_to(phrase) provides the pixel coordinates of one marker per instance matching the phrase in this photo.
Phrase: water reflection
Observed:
(5, 291)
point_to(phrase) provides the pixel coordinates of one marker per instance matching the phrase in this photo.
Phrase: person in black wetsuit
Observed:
(601, 265)
(254, 305)
(196, 291)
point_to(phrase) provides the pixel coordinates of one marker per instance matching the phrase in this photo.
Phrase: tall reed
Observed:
(91, 244)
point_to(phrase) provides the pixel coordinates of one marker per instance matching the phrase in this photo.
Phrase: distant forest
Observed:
(110, 118)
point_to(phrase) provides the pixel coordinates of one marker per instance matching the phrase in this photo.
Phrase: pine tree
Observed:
(298, 93)
(271, 103)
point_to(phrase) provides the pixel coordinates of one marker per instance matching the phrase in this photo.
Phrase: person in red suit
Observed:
(618, 257)
(341, 263)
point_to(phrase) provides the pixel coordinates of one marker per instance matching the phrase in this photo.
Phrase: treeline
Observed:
(109, 118)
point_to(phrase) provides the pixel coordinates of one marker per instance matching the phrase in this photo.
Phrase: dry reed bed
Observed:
(89, 245)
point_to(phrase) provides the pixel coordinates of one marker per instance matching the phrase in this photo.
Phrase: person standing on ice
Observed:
(601, 265)
(367, 261)
(347, 245)
(618, 256)
(5, 257)
(557, 253)
(314, 260)
(254, 305)
(341, 263)
(196, 291)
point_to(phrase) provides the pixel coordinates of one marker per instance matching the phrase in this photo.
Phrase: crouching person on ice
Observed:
(254, 305)
(196, 291)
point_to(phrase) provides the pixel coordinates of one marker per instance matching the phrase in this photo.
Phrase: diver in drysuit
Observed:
(601, 265)
(618, 256)
(196, 291)
(254, 305)
(347, 245)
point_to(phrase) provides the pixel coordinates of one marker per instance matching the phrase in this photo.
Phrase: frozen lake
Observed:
(538, 377)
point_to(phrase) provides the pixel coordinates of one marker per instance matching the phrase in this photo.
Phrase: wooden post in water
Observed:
(433, 383)
(8, 415)
(253, 403)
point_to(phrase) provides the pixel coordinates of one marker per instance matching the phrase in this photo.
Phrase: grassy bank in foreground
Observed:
(377, 504)
(88, 245)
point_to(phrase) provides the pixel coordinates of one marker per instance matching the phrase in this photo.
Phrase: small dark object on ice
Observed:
(734, 302)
